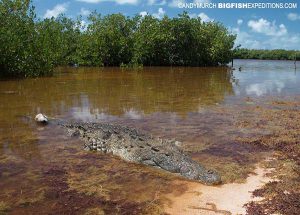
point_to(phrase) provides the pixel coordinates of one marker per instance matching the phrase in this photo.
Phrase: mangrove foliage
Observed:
(33, 47)
(276, 54)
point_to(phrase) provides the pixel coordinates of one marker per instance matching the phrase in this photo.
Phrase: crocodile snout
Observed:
(210, 177)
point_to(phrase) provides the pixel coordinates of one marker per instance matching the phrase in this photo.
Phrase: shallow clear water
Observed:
(41, 169)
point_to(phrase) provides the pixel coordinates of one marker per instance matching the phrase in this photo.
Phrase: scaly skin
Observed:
(134, 146)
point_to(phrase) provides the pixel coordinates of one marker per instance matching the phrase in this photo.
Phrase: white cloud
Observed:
(263, 26)
(82, 25)
(205, 18)
(143, 13)
(251, 41)
(240, 21)
(84, 12)
(160, 13)
(157, 2)
(126, 1)
(281, 42)
(58, 9)
(175, 3)
(293, 16)
(245, 39)
(117, 1)
(193, 15)
(272, 36)
(90, 1)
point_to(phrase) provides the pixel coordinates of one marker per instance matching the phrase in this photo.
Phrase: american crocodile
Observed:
(134, 146)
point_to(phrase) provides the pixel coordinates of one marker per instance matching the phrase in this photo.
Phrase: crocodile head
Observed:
(74, 130)
(209, 177)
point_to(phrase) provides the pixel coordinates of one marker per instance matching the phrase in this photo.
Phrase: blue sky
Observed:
(256, 28)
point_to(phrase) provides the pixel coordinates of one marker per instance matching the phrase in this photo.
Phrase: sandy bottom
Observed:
(224, 199)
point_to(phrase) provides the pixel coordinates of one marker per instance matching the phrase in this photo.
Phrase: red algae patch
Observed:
(224, 199)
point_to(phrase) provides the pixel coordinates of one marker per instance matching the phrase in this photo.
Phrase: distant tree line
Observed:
(33, 47)
(276, 54)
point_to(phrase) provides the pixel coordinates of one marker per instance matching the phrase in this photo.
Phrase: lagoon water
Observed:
(43, 171)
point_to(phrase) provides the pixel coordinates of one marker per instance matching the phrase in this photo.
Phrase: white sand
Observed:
(224, 199)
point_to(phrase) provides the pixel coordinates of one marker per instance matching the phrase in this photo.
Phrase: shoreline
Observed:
(223, 199)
